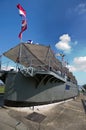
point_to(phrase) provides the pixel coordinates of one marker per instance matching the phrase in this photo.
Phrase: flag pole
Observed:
(20, 48)
(20, 35)
(0, 61)
(22, 12)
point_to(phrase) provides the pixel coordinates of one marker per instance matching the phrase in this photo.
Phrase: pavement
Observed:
(68, 115)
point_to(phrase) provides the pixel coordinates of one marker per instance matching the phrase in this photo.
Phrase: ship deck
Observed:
(64, 116)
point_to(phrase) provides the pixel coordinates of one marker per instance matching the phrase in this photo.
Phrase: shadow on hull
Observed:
(30, 104)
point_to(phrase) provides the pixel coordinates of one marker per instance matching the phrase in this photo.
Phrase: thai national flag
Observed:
(23, 28)
(22, 12)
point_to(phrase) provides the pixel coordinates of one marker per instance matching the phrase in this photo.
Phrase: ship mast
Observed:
(62, 58)
(0, 61)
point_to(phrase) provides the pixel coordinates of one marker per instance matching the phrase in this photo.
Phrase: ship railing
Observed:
(43, 68)
(39, 68)
(33, 69)
(10, 66)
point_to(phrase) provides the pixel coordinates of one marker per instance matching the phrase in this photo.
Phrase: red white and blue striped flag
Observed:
(23, 28)
(22, 12)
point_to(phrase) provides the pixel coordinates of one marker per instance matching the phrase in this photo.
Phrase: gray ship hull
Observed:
(42, 88)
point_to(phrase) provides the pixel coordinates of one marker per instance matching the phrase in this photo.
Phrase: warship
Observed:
(40, 77)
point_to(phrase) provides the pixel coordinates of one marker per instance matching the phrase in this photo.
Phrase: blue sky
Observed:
(58, 23)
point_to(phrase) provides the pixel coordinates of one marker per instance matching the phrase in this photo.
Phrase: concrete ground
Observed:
(65, 116)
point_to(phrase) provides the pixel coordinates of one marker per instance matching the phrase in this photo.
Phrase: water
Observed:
(1, 99)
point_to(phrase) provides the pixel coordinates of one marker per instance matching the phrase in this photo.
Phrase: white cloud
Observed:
(81, 8)
(80, 60)
(79, 64)
(64, 43)
(65, 38)
(8, 68)
(72, 68)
